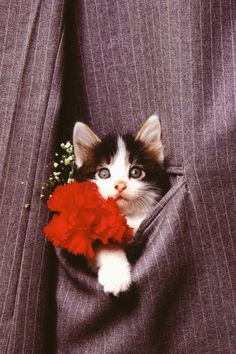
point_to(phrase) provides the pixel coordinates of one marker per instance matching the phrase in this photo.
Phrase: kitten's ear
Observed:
(150, 135)
(83, 140)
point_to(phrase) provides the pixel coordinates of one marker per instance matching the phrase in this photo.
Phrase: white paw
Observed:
(115, 278)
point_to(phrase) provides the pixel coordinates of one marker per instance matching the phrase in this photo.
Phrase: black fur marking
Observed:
(99, 153)
(140, 155)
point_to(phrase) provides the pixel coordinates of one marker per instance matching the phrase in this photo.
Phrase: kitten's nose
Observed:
(120, 186)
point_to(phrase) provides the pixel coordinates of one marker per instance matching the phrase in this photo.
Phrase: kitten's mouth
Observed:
(120, 197)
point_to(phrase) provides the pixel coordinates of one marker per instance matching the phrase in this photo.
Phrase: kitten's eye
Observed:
(104, 173)
(136, 172)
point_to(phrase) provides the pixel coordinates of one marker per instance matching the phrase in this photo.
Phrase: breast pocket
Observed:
(76, 266)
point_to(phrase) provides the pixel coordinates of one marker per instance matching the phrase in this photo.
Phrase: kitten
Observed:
(131, 171)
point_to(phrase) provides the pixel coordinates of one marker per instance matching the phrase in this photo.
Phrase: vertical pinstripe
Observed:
(22, 128)
(126, 60)
(195, 167)
(163, 108)
(14, 56)
(39, 214)
(126, 9)
(27, 174)
(93, 62)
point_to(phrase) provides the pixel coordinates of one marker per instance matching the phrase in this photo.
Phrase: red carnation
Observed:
(83, 216)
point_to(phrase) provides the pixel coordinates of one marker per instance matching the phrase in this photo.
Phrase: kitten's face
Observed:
(125, 168)
(121, 176)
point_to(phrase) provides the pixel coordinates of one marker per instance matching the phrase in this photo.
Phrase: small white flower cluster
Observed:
(63, 167)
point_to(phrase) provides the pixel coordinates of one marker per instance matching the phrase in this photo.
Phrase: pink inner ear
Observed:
(84, 139)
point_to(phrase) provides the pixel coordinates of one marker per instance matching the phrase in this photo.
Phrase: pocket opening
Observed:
(177, 180)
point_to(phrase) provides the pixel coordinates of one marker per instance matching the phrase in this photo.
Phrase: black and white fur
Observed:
(129, 169)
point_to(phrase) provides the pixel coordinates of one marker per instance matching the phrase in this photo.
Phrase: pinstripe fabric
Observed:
(124, 60)
(31, 71)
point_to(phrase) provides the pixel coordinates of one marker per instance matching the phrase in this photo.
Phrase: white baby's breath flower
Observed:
(67, 160)
(68, 144)
(70, 180)
(63, 168)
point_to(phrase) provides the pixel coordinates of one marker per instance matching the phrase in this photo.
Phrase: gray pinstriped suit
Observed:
(112, 64)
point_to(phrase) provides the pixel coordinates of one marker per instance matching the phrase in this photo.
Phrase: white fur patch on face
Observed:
(119, 166)
(137, 198)
(119, 171)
